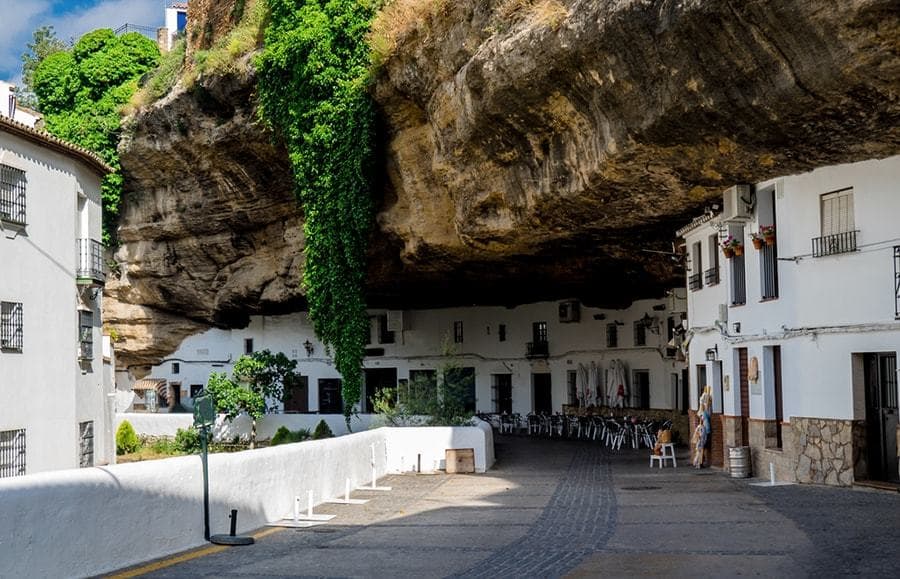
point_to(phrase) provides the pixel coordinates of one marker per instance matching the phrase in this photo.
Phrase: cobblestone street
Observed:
(557, 508)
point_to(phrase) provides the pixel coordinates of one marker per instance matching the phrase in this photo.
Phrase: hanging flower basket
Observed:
(732, 246)
(768, 233)
(757, 240)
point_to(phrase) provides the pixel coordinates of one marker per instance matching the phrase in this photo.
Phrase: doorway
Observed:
(744, 385)
(881, 415)
(330, 400)
(460, 382)
(377, 380)
(779, 396)
(296, 395)
(542, 393)
(685, 401)
(503, 393)
(641, 381)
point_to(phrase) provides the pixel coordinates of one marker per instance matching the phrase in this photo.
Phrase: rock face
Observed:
(532, 149)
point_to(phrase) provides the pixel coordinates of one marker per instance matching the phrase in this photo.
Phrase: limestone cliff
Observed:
(532, 149)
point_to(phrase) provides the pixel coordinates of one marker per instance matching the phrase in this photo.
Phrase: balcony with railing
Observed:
(537, 349)
(695, 281)
(89, 262)
(711, 276)
(834, 244)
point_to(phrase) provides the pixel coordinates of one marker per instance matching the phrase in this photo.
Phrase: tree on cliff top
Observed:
(81, 90)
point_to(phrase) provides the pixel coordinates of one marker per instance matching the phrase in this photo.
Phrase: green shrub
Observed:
(187, 440)
(164, 446)
(285, 436)
(126, 438)
(322, 431)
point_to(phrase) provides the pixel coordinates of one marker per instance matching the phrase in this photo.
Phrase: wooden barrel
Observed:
(739, 461)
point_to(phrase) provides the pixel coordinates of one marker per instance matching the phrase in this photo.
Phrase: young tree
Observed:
(258, 382)
(44, 43)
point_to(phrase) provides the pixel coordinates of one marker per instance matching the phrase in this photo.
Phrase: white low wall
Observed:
(89, 521)
(163, 424)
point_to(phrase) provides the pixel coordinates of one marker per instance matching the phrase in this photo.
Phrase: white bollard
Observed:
(374, 486)
(772, 472)
(296, 509)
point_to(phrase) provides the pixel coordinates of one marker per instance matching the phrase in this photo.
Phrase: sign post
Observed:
(204, 418)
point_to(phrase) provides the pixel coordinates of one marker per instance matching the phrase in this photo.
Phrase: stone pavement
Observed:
(553, 508)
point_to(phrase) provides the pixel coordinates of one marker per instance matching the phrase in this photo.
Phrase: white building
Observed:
(11, 108)
(523, 359)
(175, 24)
(55, 412)
(799, 339)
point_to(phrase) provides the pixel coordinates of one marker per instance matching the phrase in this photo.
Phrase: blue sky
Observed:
(70, 19)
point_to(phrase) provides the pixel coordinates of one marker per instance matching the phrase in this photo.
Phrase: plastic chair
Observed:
(667, 452)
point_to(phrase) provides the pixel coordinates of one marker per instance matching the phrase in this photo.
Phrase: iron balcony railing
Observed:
(834, 244)
(897, 282)
(537, 349)
(89, 261)
(711, 276)
(695, 281)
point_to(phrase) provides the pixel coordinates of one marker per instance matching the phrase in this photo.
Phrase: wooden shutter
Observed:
(837, 212)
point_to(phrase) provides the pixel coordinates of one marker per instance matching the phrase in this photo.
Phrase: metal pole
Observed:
(203, 457)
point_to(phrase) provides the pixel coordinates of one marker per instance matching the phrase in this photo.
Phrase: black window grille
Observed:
(86, 334)
(768, 270)
(457, 332)
(640, 333)
(89, 259)
(711, 276)
(695, 282)
(897, 282)
(11, 326)
(12, 194)
(738, 280)
(384, 336)
(501, 332)
(12, 453)
(248, 346)
(86, 444)
(612, 336)
(834, 244)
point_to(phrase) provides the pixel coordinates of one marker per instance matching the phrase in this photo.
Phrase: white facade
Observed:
(51, 360)
(176, 21)
(419, 346)
(835, 304)
(11, 109)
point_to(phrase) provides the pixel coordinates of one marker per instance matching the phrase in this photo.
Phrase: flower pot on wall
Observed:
(758, 242)
(739, 250)
(770, 239)
(728, 251)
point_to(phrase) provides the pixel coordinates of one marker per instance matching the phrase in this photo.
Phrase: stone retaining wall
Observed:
(828, 451)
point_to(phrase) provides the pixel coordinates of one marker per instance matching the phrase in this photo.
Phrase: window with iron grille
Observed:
(838, 228)
(640, 333)
(11, 332)
(86, 444)
(12, 194)
(737, 270)
(86, 334)
(572, 387)
(12, 453)
(384, 335)
(248, 346)
(501, 332)
(612, 336)
(457, 332)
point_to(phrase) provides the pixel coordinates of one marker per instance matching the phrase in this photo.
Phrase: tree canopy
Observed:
(80, 91)
(44, 42)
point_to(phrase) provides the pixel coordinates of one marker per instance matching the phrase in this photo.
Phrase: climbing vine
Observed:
(312, 82)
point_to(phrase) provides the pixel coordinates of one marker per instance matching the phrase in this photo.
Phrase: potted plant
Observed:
(757, 240)
(732, 246)
(768, 233)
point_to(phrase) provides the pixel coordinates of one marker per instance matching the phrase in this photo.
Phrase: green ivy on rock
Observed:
(312, 81)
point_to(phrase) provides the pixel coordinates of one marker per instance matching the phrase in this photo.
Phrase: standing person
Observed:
(703, 432)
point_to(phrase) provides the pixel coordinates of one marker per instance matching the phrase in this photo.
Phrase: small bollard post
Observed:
(232, 538)
(772, 472)
(233, 522)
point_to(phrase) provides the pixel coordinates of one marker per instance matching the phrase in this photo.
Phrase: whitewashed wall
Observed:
(44, 389)
(140, 511)
(420, 348)
(829, 308)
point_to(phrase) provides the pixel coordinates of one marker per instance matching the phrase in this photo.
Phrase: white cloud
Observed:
(109, 14)
(20, 19)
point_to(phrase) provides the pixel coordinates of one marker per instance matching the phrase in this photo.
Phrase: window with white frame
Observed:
(837, 212)
(457, 332)
(11, 326)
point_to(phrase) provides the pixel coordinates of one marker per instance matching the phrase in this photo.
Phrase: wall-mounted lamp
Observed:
(712, 353)
(736, 326)
(309, 348)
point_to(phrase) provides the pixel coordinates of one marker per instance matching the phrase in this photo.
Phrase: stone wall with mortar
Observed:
(827, 451)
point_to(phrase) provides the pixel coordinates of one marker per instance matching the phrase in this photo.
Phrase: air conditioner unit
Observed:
(737, 203)
(395, 321)
(569, 311)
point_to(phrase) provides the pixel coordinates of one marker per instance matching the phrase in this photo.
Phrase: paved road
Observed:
(555, 508)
